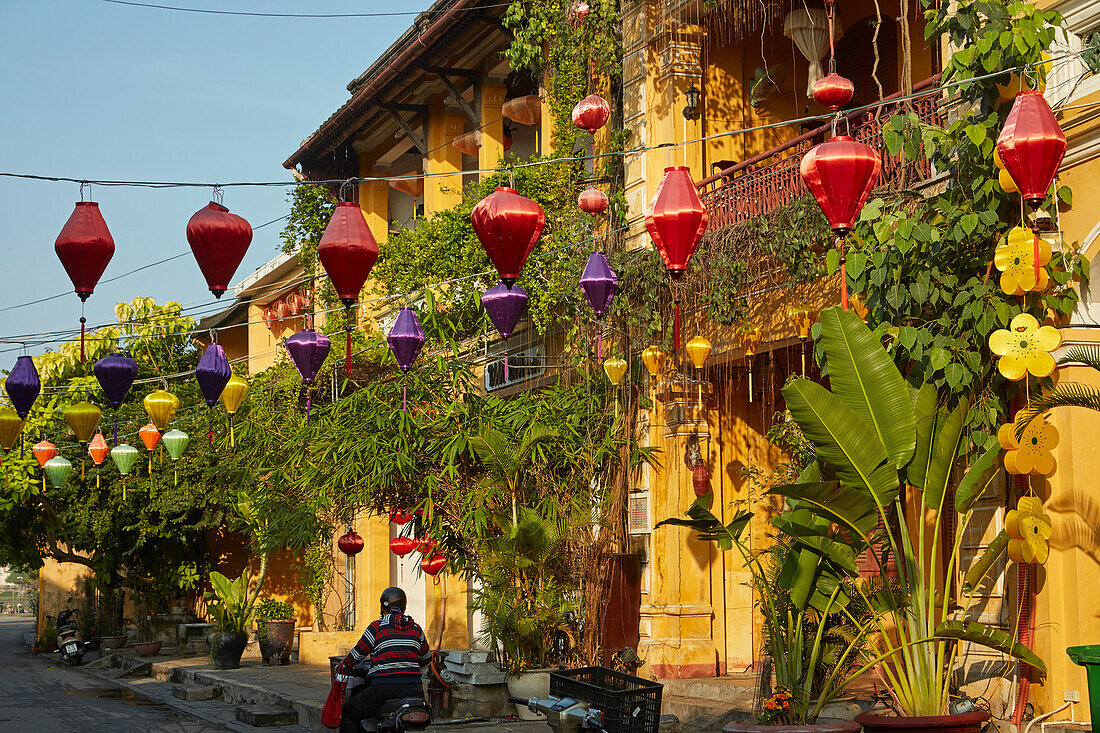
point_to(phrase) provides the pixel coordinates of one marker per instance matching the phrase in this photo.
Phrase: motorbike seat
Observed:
(414, 717)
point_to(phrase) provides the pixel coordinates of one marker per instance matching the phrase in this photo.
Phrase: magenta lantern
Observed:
(508, 226)
(219, 241)
(591, 113)
(1032, 145)
(308, 350)
(406, 338)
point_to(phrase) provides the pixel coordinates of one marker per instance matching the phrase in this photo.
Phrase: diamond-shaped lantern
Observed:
(507, 225)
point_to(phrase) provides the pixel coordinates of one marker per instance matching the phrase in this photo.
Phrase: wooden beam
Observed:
(416, 139)
(473, 116)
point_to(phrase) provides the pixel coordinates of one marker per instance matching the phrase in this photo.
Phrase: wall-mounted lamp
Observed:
(692, 107)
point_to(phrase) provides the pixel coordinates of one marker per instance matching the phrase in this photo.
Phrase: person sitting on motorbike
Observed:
(397, 650)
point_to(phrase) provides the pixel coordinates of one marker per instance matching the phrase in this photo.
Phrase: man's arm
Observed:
(424, 653)
(360, 651)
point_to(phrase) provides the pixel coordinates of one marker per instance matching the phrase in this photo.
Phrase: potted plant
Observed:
(275, 630)
(876, 440)
(145, 645)
(231, 605)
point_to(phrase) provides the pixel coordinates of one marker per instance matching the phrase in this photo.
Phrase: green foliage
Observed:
(272, 609)
(310, 209)
(230, 603)
(315, 576)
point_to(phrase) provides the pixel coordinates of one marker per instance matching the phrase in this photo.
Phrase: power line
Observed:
(206, 11)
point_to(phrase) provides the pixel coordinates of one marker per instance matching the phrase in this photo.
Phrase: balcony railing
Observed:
(770, 180)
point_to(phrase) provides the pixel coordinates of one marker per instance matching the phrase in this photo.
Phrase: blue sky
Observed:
(103, 91)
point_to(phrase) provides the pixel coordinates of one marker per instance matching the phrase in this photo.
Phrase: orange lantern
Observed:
(98, 450)
(524, 110)
(149, 435)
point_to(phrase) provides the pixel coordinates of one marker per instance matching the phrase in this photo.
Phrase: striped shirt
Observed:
(396, 647)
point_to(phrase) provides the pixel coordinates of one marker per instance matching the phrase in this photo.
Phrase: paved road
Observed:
(37, 696)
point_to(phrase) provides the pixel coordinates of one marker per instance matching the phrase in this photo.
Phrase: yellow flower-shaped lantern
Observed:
(1021, 270)
(1025, 348)
(1031, 454)
(1029, 529)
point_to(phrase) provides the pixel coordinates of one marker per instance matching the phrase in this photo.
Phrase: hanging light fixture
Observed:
(23, 385)
(351, 544)
(749, 336)
(507, 225)
(43, 451)
(124, 457)
(85, 247)
(98, 450)
(116, 374)
(83, 419)
(232, 396)
(348, 251)
(308, 350)
(833, 91)
(433, 565)
(402, 546)
(149, 435)
(698, 350)
(591, 113)
(161, 407)
(58, 469)
(219, 241)
(11, 427)
(1031, 146)
(406, 338)
(614, 368)
(692, 96)
(599, 283)
(212, 373)
(593, 201)
(505, 306)
(653, 358)
(802, 316)
(676, 221)
(175, 441)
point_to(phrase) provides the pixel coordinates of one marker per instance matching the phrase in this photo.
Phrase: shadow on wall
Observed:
(1077, 526)
(230, 553)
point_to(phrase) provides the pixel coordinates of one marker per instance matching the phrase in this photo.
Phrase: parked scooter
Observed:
(69, 644)
(565, 715)
(394, 716)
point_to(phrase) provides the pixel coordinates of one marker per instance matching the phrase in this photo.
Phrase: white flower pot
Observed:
(535, 683)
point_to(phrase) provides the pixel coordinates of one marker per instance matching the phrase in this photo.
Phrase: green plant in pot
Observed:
(881, 447)
(231, 606)
(275, 630)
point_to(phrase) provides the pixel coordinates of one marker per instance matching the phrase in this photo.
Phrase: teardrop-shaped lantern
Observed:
(85, 247)
(347, 251)
(593, 201)
(149, 435)
(97, 449)
(840, 173)
(402, 546)
(308, 350)
(43, 451)
(653, 358)
(116, 374)
(508, 225)
(698, 350)
(433, 565)
(213, 373)
(406, 338)
(591, 113)
(599, 283)
(700, 479)
(11, 427)
(161, 406)
(58, 470)
(505, 307)
(219, 241)
(676, 219)
(23, 385)
(833, 91)
(234, 392)
(175, 441)
(351, 544)
(614, 368)
(124, 456)
(749, 336)
(1031, 145)
(83, 418)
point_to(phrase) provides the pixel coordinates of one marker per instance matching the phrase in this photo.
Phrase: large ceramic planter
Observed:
(535, 683)
(964, 723)
(112, 642)
(148, 648)
(834, 726)
(276, 638)
(226, 649)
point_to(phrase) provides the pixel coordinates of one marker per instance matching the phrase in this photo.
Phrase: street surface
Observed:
(37, 696)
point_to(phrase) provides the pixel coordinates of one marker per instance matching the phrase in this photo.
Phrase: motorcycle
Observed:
(69, 644)
(565, 714)
(394, 716)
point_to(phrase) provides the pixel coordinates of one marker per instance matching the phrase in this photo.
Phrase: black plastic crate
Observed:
(629, 704)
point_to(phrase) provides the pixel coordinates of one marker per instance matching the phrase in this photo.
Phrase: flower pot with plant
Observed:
(231, 606)
(275, 630)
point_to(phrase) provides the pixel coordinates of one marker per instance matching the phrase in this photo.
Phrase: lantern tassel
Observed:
(676, 325)
(81, 469)
(1035, 231)
(750, 380)
(116, 428)
(506, 362)
(599, 339)
(843, 275)
(231, 443)
(83, 321)
(210, 428)
(405, 394)
(309, 403)
(347, 359)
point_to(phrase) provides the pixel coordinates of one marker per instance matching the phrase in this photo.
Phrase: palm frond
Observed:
(1087, 354)
(1070, 394)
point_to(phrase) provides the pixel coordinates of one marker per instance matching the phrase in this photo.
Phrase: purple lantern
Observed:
(212, 373)
(23, 385)
(406, 338)
(308, 350)
(599, 283)
(505, 307)
(116, 374)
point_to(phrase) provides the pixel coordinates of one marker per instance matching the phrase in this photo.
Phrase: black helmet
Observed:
(393, 599)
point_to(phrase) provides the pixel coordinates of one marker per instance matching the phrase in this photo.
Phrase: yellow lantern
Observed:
(161, 406)
(615, 368)
(11, 427)
(83, 418)
(653, 358)
(803, 318)
(233, 395)
(1004, 179)
(1016, 84)
(698, 349)
(749, 336)
(858, 306)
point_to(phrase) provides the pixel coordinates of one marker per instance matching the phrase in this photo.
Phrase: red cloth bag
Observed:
(334, 705)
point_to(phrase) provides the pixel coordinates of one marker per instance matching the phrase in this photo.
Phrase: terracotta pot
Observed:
(832, 726)
(276, 638)
(226, 649)
(148, 648)
(112, 642)
(964, 723)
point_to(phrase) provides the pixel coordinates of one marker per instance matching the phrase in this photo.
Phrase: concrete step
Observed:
(192, 693)
(693, 713)
(738, 690)
(266, 716)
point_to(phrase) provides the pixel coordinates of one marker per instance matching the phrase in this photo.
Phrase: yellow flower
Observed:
(1025, 347)
(1029, 530)
(1032, 453)
(1015, 258)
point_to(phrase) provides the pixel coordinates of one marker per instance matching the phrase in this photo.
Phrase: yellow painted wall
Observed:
(60, 586)
(230, 554)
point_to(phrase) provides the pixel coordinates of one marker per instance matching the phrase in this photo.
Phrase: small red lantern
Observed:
(508, 226)
(432, 565)
(351, 544)
(402, 546)
(219, 241)
(149, 435)
(833, 91)
(85, 248)
(840, 173)
(700, 479)
(398, 516)
(591, 113)
(424, 545)
(676, 221)
(347, 251)
(593, 201)
(1031, 146)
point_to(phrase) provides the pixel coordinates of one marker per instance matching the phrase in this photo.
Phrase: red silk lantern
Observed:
(591, 113)
(402, 546)
(833, 91)
(85, 247)
(149, 435)
(700, 479)
(1031, 146)
(347, 251)
(398, 516)
(676, 221)
(593, 201)
(432, 565)
(219, 241)
(508, 226)
(840, 173)
(351, 544)
(425, 545)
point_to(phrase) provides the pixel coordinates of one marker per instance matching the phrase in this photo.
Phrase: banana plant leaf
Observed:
(865, 378)
(937, 452)
(985, 561)
(978, 479)
(709, 526)
(992, 638)
(837, 502)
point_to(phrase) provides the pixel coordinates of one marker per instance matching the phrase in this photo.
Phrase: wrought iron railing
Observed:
(771, 179)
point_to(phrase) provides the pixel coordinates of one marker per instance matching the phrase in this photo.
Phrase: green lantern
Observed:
(58, 469)
(124, 457)
(174, 442)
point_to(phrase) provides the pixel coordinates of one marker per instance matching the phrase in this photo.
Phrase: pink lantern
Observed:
(593, 201)
(591, 113)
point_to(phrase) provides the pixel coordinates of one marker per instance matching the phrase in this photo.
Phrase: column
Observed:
(374, 199)
(492, 127)
(442, 191)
